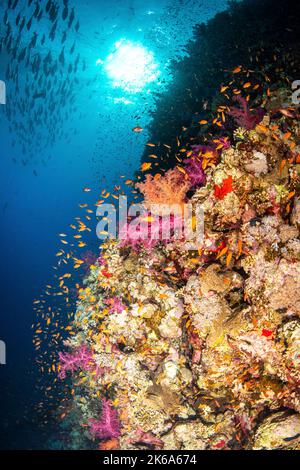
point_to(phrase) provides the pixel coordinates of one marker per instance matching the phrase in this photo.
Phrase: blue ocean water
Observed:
(84, 140)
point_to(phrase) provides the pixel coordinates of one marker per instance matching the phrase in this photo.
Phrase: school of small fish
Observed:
(41, 67)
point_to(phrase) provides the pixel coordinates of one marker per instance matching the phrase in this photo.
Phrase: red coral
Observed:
(225, 188)
(267, 333)
(215, 249)
(108, 427)
(220, 444)
(105, 273)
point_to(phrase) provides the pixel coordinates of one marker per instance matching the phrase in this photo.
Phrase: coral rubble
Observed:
(177, 349)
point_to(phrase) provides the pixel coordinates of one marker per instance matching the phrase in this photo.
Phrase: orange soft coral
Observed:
(170, 188)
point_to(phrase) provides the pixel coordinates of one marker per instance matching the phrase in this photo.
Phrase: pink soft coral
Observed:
(108, 426)
(148, 234)
(195, 171)
(115, 305)
(80, 358)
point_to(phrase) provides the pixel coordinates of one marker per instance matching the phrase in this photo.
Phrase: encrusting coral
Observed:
(200, 349)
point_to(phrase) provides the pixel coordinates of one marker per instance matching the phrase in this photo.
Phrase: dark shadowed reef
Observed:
(260, 35)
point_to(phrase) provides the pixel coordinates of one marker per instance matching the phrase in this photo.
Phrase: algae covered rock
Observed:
(278, 431)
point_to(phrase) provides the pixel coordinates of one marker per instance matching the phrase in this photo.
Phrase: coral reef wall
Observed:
(178, 349)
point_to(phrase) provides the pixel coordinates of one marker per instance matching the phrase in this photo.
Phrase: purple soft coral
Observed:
(79, 358)
(88, 258)
(243, 116)
(108, 426)
(194, 164)
(195, 171)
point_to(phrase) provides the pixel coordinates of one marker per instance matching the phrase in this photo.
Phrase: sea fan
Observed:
(108, 427)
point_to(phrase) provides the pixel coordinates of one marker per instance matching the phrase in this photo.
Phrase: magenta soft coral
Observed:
(88, 258)
(115, 305)
(194, 164)
(156, 230)
(108, 426)
(79, 358)
(193, 167)
(243, 116)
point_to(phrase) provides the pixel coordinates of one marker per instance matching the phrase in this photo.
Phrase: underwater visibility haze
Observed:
(141, 343)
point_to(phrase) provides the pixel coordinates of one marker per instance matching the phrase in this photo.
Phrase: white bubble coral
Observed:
(258, 165)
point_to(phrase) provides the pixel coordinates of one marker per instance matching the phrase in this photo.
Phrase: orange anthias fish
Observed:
(146, 166)
(137, 129)
(237, 70)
